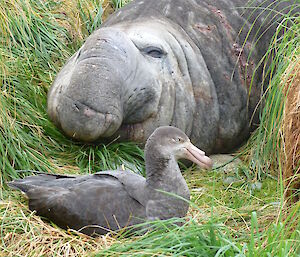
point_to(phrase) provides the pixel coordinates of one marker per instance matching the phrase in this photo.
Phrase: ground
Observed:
(230, 206)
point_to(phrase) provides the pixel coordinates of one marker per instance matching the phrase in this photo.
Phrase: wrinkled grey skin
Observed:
(163, 62)
(111, 200)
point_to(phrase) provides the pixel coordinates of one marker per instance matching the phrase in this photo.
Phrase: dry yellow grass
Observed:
(107, 9)
(25, 234)
(291, 128)
(73, 22)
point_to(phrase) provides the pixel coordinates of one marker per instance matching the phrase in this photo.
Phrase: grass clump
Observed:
(266, 146)
(37, 38)
(167, 239)
(291, 131)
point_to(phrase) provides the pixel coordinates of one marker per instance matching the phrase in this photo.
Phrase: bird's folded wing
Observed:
(133, 183)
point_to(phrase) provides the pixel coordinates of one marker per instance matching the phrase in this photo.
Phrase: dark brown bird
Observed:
(111, 200)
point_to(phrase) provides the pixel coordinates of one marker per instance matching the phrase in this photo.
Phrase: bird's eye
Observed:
(177, 140)
(154, 51)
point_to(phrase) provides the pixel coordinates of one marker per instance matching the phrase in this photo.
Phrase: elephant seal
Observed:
(153, 63)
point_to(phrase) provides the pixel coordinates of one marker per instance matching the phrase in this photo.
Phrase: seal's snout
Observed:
(102, 86)
(85, 99)
(85, 123)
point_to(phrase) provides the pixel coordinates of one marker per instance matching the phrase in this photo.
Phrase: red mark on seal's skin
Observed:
(223, 20)
(244, 64)
(205, 29)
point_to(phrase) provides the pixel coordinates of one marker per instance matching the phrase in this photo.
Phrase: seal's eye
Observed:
(154, 51)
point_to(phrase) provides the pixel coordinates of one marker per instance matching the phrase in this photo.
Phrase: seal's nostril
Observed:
(82, 121)
(75, 107)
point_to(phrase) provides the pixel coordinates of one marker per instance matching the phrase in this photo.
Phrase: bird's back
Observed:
(90, 203)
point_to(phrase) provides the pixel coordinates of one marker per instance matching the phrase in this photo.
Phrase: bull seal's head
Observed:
(127, 80)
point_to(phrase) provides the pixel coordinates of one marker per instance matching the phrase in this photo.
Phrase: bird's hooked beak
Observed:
(196, 155)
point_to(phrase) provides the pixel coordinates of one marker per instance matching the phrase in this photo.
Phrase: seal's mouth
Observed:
(83, 122)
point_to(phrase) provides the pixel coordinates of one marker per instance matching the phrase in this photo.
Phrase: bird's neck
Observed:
(163, 173)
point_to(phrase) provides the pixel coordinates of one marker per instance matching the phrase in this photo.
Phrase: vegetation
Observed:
(224, 220)
(37, 37)
(266, 145)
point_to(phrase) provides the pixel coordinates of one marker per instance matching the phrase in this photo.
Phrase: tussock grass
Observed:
(266, 146)
(291, 131)
(37, 38)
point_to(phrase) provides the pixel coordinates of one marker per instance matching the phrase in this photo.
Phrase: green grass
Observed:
(223, 219)
(37, 37)
(232, 221)
(119, 3)
(265, 147)
(166, 239)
